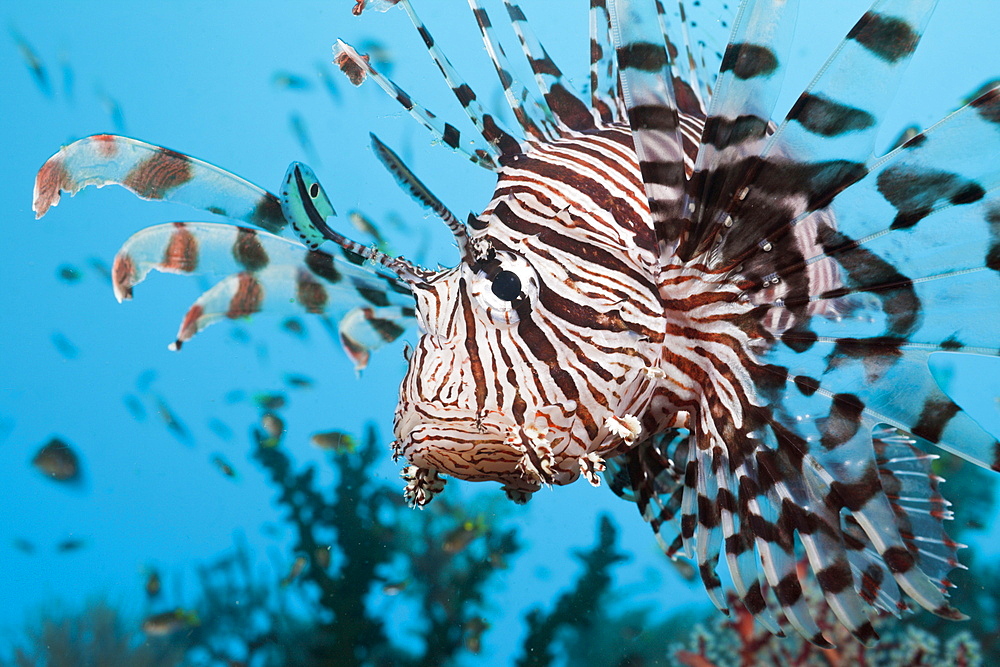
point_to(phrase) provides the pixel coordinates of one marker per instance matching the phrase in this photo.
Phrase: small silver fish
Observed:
(171, 622)
(334, 441)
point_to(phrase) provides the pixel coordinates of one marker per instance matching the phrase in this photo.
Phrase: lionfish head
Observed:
(533, 362)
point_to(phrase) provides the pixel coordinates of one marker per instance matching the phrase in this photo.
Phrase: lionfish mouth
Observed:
(478, 448)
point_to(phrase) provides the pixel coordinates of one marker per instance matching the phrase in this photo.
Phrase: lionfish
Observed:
(726, 312)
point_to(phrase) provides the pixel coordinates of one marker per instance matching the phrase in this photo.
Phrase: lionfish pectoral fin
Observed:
(265, 273)
(830, 134)
(739, 114)
(364, 329)
(155, 173)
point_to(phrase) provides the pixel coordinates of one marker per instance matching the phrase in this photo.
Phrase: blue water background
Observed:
(197, 77)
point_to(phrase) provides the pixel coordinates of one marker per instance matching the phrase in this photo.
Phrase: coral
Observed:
(95, 636)
(576, 611)
(737, 642)
(356, 545)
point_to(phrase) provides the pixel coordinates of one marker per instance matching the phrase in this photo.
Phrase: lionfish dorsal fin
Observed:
(533, 114)
(487, 124)
(689, 76)
(605, 99)
(569, 109)
(646, 79)
(357, 68)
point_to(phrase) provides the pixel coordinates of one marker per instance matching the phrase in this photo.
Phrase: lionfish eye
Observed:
(507, 285)
(314, 190)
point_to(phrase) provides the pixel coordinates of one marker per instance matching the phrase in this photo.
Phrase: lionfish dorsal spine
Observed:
(570, 111)
(605, 99)
(358, 68)
(532, 113)
(503, 141)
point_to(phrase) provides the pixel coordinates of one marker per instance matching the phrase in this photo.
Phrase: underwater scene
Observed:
(717, 259)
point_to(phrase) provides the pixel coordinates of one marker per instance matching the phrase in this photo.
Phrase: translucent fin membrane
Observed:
(652, 109)
(357, 68)
(686, 70)
(409, 181)
(740, 113)
(534, 116)
(570, 110)
(266, 273)
(501, 139)
(604, 97)
(155, 173)
(830, 131)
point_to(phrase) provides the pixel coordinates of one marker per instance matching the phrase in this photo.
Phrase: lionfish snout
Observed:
(491, 445)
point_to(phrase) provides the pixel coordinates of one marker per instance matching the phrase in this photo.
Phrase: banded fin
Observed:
(153, 173)
(357, 68)
(853, 573)
(646, 80)
(690, 76)
(739, 115)
(266, 273)
(505, 143)
(826, 142)
(605, 99)
(569, 109)
(365, 329)
(533, 115)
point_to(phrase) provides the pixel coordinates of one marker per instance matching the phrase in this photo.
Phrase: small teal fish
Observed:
(306, 206)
